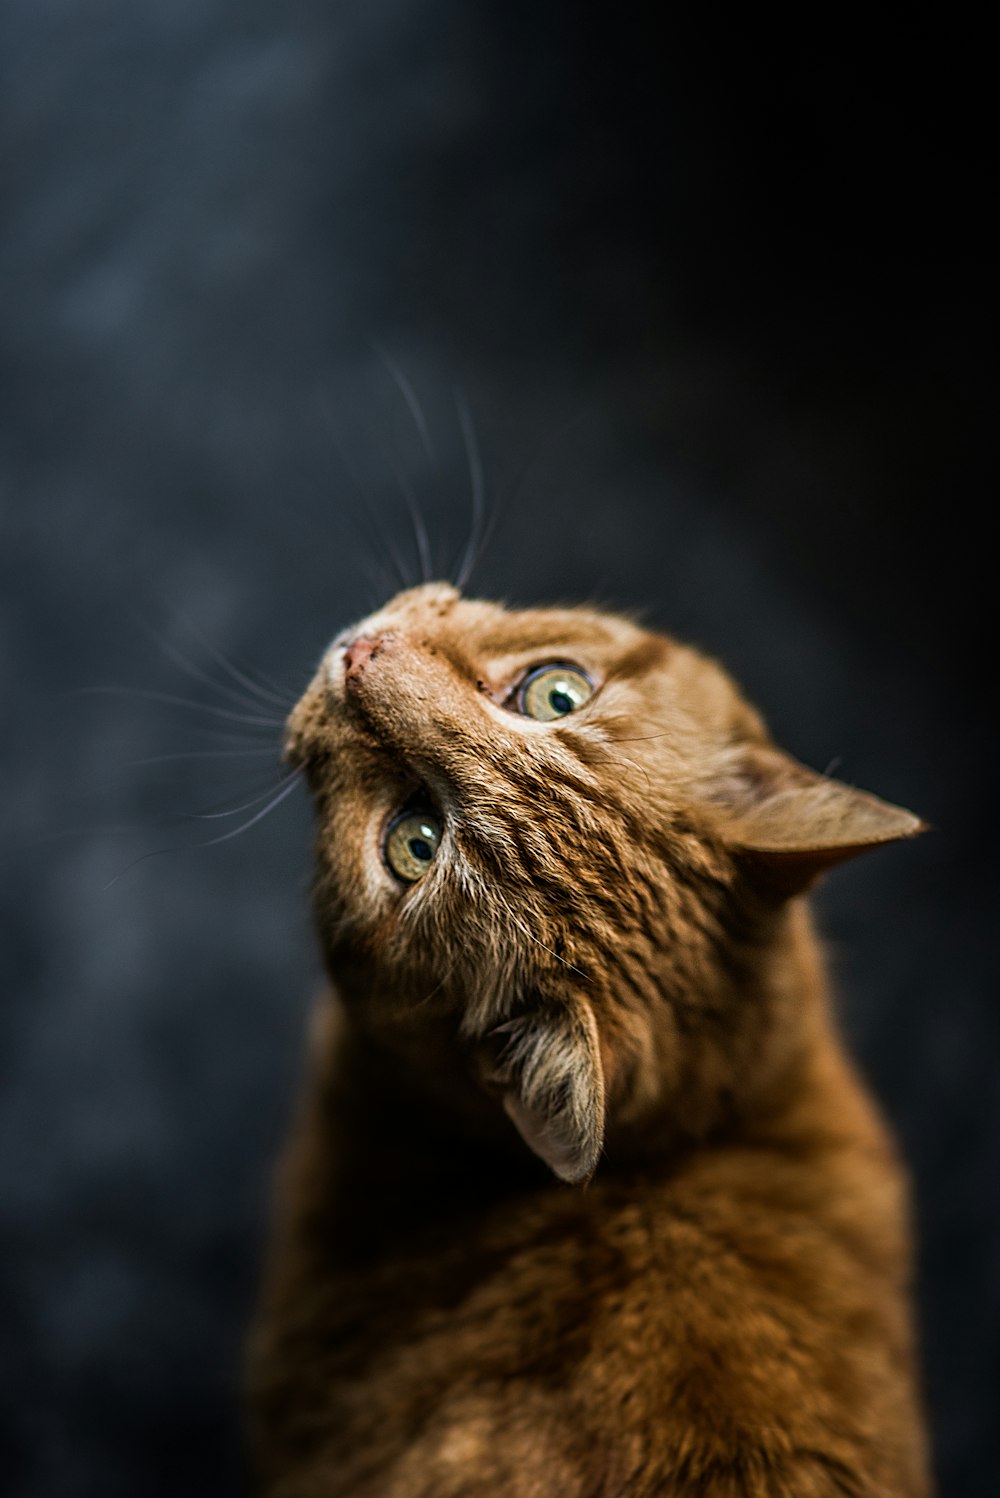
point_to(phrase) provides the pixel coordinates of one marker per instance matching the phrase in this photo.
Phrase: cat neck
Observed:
(410, 1135)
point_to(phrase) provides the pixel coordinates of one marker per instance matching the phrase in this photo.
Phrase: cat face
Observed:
(567, 833)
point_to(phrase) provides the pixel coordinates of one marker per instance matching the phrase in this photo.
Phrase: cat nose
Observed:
(359, 652)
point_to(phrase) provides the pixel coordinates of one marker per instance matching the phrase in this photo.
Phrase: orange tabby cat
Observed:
(585, 1199)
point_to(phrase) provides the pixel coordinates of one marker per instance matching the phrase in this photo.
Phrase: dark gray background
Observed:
(715, 299)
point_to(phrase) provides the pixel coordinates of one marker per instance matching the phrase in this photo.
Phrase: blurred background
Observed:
(712, 295)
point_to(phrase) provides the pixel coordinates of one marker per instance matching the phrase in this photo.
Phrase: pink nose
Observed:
(359, 652)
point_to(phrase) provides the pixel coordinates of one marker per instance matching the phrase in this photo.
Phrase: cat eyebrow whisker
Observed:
(372, 541)
(416, 520)
(409, 395)
(392, 550)
(416, 410)
(477, 489)
(487, 536)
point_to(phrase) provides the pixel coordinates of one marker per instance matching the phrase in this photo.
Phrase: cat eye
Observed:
(551, 692)
(411, 843)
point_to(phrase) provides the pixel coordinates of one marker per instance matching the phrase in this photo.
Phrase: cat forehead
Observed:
(492, 646)
(492, 631)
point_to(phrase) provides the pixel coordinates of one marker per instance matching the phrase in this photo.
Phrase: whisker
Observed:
(223, 808)
(409, 395)
(369, 541)
(212, 815)
(476, 479)
(437, 987)
(190, 668)
(187, 702)
(265, 688)
(416, 521)
(487, 536)
(163, 759)
(623, 759)
(286, 789)
(532, 937)
(242, 738)
(392, 550)
(377, 592)
(287, 785)
(380, 582)
(640, 738)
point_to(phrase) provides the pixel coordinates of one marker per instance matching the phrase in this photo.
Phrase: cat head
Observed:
(573, 839)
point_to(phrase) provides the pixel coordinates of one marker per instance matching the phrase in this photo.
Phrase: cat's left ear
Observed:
(792, 824)
(546, 1066)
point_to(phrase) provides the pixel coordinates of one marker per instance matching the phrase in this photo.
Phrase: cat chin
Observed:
(334, 664)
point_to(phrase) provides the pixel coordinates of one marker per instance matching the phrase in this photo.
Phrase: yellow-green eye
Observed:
(553, 691)
(411, 843)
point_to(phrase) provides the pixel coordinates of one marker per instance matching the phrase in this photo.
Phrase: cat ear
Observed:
(792, 824)
(546, 1066)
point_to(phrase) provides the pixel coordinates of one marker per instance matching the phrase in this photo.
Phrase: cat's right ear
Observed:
(545, 1064)
(790, 824)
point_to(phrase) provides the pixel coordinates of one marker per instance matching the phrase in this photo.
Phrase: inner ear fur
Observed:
(790, 824)
(546, 1066)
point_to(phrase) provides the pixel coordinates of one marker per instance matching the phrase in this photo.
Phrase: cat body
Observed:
(584, 1198)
